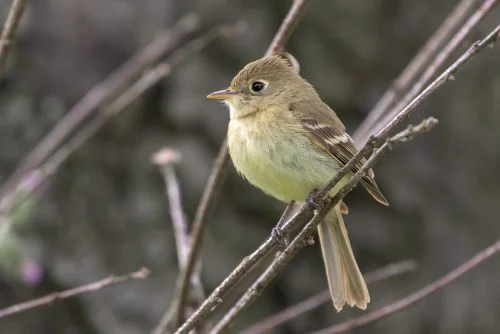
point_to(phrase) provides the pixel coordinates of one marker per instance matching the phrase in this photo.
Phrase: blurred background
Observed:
(105, 210)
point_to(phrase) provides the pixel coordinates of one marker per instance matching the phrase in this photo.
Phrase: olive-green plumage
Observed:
(286, 141)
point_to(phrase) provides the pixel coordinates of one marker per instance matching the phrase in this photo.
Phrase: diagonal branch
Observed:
(435, 65)
(131, 94)
(415, 67)
(53, 297)
(9, 29)
(301, 240)
(416, 296)
(292, 312)
(99, 95)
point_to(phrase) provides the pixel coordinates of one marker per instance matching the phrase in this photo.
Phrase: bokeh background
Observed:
(105, 210)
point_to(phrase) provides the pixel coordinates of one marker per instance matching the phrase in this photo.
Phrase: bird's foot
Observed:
(316, 204)
(280, 237)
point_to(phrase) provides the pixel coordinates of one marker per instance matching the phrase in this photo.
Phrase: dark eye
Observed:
(257, 86)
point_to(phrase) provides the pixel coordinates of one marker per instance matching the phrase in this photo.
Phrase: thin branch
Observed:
(292, 19)
(416, 296)
(206, 202)
(300, 241)
(276, 47)
(292, 312)
(165, 159)
(306, 211)
(56, 296)
(97, 96)
(436, 64)
(415, 67)
(405, 112)
(148, 80)
(9, 30)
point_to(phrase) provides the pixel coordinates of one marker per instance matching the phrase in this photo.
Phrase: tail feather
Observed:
(345, 281)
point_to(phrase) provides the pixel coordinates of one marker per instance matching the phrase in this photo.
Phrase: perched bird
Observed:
(286, 141)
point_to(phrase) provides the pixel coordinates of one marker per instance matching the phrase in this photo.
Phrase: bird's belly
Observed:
(288, 168)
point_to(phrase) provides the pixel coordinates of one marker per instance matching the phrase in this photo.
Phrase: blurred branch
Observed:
(145, 82)
(9, 30)
(214, 180)
(416, 296)
(431, 69)
(292, 312)
(97, 96)
(165, 160)
(301, 240)
(174, 315)
(292, 19)
(53, 297)
(415, 67)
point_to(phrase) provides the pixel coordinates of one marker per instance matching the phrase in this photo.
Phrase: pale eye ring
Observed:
(258, 86)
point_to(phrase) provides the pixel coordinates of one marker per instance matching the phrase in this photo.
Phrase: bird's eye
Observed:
(257, 86)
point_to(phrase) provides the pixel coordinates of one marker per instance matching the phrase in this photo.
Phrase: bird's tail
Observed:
(345, 281)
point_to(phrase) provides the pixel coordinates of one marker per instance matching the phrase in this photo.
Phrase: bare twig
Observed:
(277, 46)
(148, 80)
(415, 67)
(305, 213)
(165, 160)
(436, 64)
(300, 241)
(99, 95)
(9, 29)
(53, 297)
(405, 112)
(416, 296)
(207, 200)
(292, 312)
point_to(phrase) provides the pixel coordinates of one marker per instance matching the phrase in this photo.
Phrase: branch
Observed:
(416, 296)
(100, 94)
(173, 316)
(292, 19)
(9, 30)
(405, 112)
(214, 180)
(148, 80)
(165, 159)
(416, 65)
(301, 240)
(440, 59)
(53, 297)
(292, 312)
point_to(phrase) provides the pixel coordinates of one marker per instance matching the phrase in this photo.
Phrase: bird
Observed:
(287, 142)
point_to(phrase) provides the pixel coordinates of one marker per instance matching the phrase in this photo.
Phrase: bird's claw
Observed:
(311, 200)
(280, 237)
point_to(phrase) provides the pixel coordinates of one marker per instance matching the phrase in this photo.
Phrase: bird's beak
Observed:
(221, 94)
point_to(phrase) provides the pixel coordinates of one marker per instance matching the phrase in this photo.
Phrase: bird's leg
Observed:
(277, 233)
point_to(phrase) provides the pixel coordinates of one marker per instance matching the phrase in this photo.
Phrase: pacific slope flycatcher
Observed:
(286, 141)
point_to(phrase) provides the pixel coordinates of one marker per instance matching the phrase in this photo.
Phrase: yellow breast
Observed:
(276, 158)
